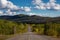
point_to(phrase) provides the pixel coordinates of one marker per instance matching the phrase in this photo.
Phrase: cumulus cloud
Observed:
(7, 4)
(3, 3)
(1, 12)
(40, 14)
(49, 5)
(11, 8)
(39, 4)
(31, 14)
(26, 9)
(8, 12)
(34, 14)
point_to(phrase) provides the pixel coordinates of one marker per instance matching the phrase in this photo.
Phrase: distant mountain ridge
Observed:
(31, 19)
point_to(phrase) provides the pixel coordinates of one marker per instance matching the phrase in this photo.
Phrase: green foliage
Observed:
(6, 27)
(52, 32)
(39, 28)
(9, 27)
(51, 29)
(21, 28)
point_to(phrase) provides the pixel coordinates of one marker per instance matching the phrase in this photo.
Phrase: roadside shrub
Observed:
(38, 28)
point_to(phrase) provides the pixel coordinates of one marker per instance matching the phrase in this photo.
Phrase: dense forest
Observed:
(19, 24)
(9, 27)
(50, 29)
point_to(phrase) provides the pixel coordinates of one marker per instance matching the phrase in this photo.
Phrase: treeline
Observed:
(51, 29)
(9, 27)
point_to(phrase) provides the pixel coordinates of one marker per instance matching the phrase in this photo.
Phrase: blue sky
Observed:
(35, 8)
(27, 2)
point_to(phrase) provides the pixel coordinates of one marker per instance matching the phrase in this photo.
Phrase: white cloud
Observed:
(37, 7)
(8, 4)
(5, 4)
(31, 14)
(10, 7)
(41, 7)
(52, 1)
(8, 12)
(34, 14)
(53, 5)
(26, 9)
(1, 12)
(40, 14)
(50, 5)
(37, 2)
(57, 7)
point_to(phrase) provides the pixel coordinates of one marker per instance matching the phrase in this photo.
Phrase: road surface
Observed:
(31, 36)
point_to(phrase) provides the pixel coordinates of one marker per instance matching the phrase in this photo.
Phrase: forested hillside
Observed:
(31, 19)
(41, 25)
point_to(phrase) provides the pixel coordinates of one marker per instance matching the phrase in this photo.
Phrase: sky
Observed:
(47, 8)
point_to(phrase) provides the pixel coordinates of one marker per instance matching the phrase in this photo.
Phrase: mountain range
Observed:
(31, 19)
